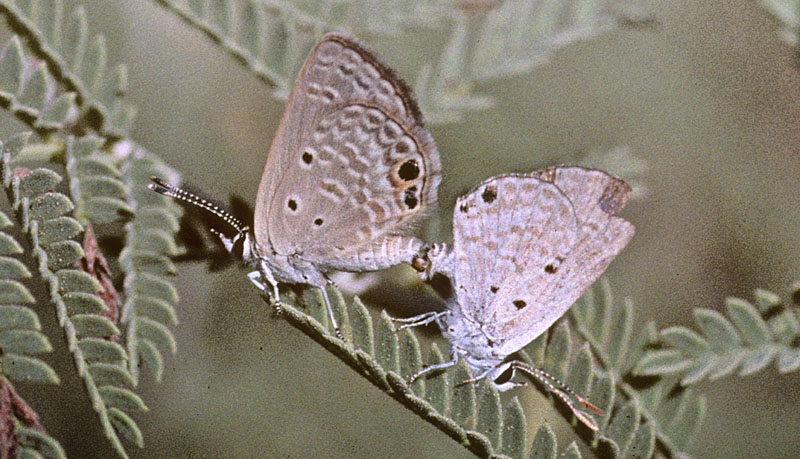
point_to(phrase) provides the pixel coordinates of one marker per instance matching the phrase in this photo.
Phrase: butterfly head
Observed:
(241, 245)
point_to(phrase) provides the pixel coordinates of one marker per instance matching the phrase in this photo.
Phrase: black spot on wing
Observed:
(409, 170)
(410, 199)
(489, 195)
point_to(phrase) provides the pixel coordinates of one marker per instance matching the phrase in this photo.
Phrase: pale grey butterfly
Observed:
(350, 169)
(525, 247)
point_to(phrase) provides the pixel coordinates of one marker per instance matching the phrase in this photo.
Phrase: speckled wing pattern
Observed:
(351, 166)
(528, 245)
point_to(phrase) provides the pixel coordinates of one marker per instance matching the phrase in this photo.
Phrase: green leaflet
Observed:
(742, 340)
(40, 211)
(28, 95)
(81, 63)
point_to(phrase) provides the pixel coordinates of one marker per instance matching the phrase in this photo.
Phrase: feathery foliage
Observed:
(20, 339)
(748, 340)
(77, 60)
(149, 309)
(637, 419)
(272, 38)
(80, 287)
(81, 292)
(58, 84)
(607, 328)
(27, 90)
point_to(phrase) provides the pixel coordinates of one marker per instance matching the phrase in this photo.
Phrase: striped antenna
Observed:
(162, 187)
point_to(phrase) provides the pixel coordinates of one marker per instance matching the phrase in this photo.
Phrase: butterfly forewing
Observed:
(351, 164)
(555, 285)
(502, 230)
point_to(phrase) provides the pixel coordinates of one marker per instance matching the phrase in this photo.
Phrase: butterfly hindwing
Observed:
(351, 166)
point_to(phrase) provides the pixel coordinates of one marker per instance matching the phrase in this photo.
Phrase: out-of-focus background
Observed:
(708, 98)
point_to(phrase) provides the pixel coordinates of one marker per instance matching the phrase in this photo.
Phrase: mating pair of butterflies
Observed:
(351, 168)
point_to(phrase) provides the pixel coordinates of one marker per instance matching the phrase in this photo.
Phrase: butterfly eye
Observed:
(489, 195)
(420, 263)
(464, 208)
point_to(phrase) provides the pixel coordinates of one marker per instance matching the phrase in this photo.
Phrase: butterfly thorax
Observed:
(470, 342)
(284, 268)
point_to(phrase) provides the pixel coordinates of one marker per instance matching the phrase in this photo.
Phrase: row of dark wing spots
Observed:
(292, 205)
(519, 304)
(308, 157)
(488, 196)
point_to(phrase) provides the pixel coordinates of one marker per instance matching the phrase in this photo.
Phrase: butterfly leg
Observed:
(255, 278)
(264, 274)
(431, 368)
(422, 319)
(330, 311)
